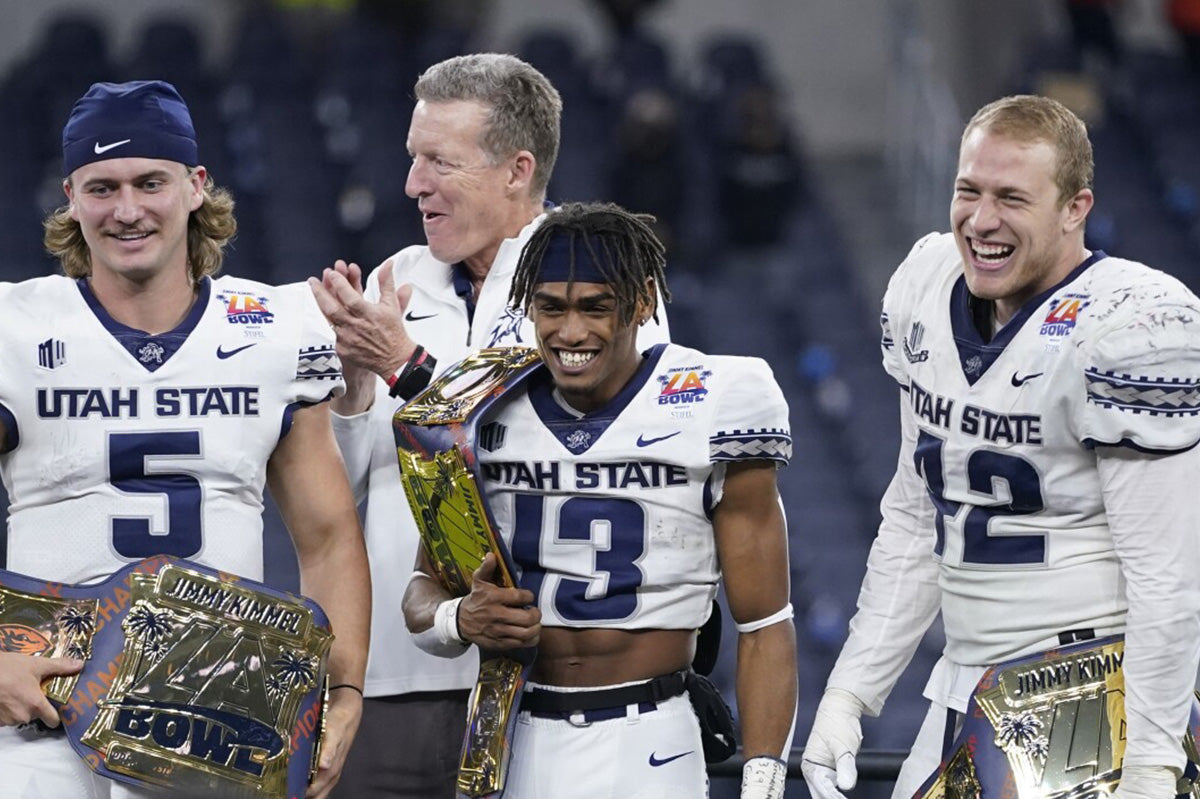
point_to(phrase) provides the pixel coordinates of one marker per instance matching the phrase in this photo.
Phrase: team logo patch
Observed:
(491, 436)
(52, 353)
(245, 309)
(683, 386)
(579, 440)
(912, 344)
(151, 352)
(507, 331)
(1064, 312)
(23, 639)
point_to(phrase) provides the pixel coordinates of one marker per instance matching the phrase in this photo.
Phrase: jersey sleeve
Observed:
(899, 597)
(1141, 369)
(751, 418)
(896, 301)
(318, 369)
(1151, 505)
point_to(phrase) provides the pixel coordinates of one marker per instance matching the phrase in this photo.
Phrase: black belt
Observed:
(665, 687)
(1072, 636)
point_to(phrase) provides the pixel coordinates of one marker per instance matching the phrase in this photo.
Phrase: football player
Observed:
(144, 404)
(1046, 488)
(626, 484)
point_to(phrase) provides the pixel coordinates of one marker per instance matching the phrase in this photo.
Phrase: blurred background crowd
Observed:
(790, 151)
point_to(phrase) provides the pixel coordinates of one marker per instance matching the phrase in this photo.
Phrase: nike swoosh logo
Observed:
(1020, 381)
(409, 317)
(102, 149)
(224, 353)
(645, 442)
(654, 761)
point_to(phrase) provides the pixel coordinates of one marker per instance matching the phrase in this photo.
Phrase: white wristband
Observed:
(763, 778)
(445, 621)
(783, 614)
(442, 638)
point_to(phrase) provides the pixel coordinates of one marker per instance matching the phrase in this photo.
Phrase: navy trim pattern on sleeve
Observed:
(748, 445)
(1155, 396)
(318, 363)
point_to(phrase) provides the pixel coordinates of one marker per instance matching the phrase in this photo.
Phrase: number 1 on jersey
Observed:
(605, 537)
(984, 468)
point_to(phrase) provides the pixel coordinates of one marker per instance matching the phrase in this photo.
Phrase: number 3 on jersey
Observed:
(132, 470)
(598, 539)
(984, 468)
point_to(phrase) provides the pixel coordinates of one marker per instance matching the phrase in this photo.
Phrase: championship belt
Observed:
(1049, 726)
(194, 680)
(436, 435)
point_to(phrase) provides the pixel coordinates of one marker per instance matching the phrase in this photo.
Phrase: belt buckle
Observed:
(1048, 726)
(193, 679)
(217, 683)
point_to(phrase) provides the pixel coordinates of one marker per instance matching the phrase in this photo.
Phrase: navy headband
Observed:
(139, 119)
(564, 261)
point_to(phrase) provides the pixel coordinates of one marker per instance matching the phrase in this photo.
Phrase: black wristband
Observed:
(346, 685)
(414, 376)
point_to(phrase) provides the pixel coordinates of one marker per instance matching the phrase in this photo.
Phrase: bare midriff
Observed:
(582, 658)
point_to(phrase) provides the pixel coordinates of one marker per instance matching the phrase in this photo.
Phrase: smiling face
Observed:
(468, 203)
(1016, 235)
(590, 352)
(133, 213)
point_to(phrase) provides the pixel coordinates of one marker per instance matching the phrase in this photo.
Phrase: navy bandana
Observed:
(139, 119)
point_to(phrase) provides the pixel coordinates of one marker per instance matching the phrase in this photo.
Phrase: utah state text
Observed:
(547, 475)
(124, 403)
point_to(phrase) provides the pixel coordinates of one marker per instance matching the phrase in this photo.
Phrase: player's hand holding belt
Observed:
(192, 680)
(435, 440)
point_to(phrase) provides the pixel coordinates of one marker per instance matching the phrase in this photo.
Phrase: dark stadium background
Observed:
(791, 150)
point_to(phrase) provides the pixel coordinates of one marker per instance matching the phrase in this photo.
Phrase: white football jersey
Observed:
(608, 514)
(437, 317)
(1007, 430)
(122, 445)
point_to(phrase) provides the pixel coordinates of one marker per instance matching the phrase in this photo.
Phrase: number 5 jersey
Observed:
(608, 514)
(121, 445)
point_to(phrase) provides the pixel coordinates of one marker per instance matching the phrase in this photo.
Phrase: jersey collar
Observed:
(975, 355)
(579, 432)
(151, 351)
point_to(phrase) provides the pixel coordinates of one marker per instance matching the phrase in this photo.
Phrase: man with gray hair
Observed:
(483, 140)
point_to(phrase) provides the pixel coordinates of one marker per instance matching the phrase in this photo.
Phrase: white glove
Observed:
(1146, 782)
(828, 764)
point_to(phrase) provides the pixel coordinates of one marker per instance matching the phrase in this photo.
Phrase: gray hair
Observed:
(524, 108)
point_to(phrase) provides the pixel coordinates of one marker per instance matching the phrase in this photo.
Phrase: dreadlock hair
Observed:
(622, 247)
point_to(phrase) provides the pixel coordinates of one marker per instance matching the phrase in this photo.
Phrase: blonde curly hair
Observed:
(210, 227)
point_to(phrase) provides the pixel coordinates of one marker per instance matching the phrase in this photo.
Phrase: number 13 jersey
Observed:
(608, 514)
(122, 445)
